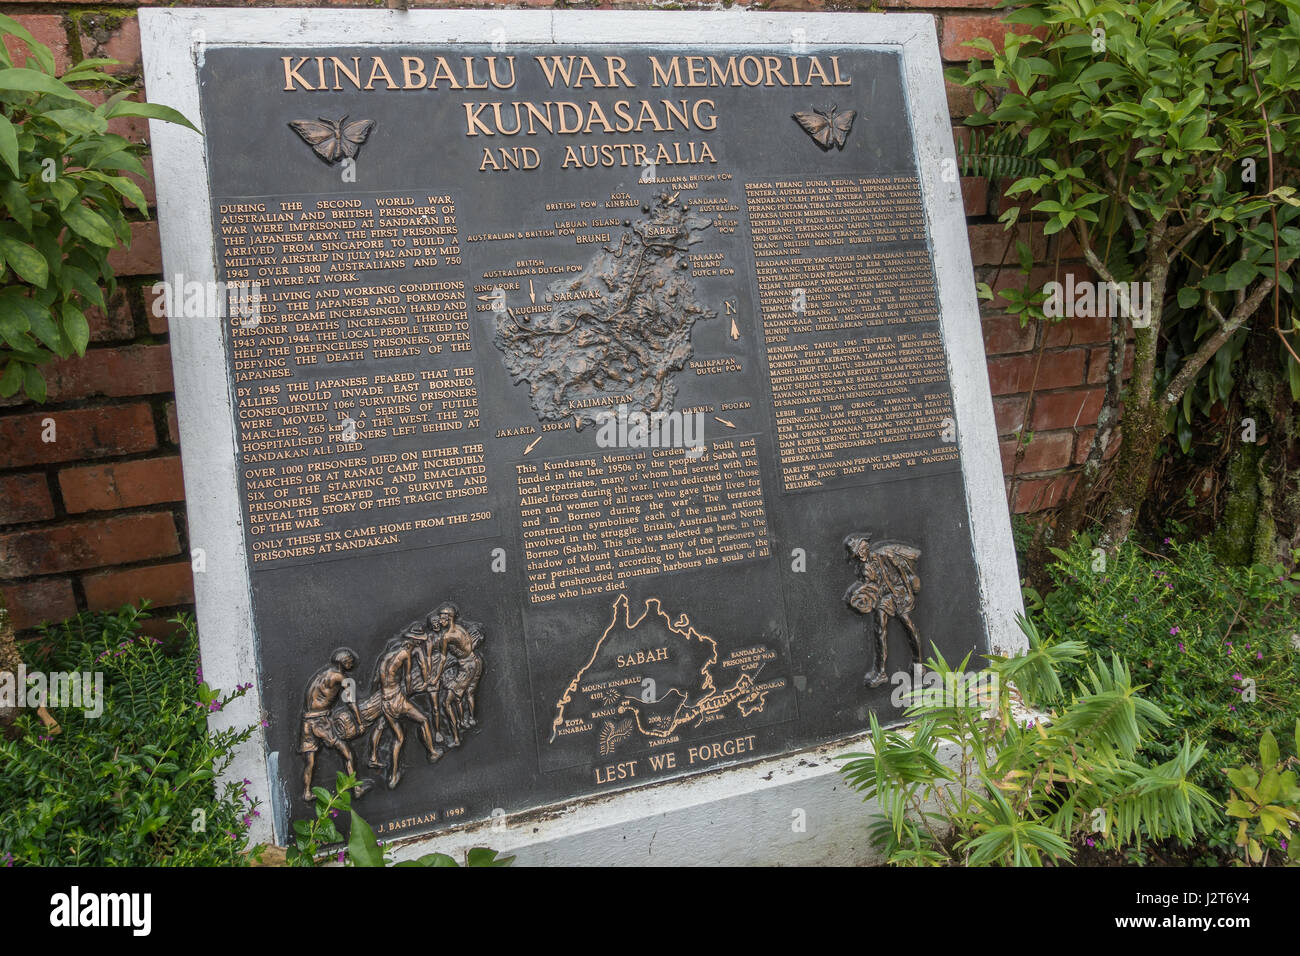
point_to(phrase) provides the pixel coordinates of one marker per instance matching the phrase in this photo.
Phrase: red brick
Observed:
(173, 427)
(1018, 373)
(1039, 494)
(1078, 331)
(46, 28)
(164, 585)
(103, 37)
(1097, 372)
(25, 498)
(122, 484)
(115, 372)
(1044, 452)
(959, 29)
(975, 195)
(961, 99)
(991, 244)
(1067, 409)
(1083, 445)
(134, 128)
(1067, 246)
(114, 324)
(144, 257)
(30, 603)
(79, 433)
(155, 309)
(1009, 414)
(1004, 333)
(89, 544)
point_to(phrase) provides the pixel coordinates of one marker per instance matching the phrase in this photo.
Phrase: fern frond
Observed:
(1001, 153)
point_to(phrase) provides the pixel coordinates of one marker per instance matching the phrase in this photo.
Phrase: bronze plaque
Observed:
(594, 417)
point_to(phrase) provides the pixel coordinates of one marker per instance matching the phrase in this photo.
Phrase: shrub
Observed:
(63, 195)
(1022, 791)
(135, 785)
(1267, 796)
(1216, 646)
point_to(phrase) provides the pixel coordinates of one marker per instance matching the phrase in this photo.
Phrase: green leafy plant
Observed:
(313, 838)
(134, 786)
(1159, 131)
(63, 192)
(993, 154)
(1023, 789)
(1266, 794)
(1215, 644)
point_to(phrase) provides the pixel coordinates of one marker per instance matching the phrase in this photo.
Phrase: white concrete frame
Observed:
(737, 815)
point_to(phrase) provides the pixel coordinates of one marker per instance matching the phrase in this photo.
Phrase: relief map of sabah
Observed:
(647, 678)
(616, 332)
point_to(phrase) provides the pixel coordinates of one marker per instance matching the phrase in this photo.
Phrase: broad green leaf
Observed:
(43, 328)
(89, 224)
(25, 261)
(75, 328)
(1239, 808)
(39, 51)
(149, 111)
(9, 144)
(363, 847)
(118, 160)
(91, 63)
(1268, 752)
(64, 191)
(16, 201)
(82, 282)
(483, 856)
(1239, 275)
(430, 859)
(1100, 71)
(1269, 821)
(13, 322)
(82, 122)
(124, 186)
(12, 379)
(34, 383)
(20, 79)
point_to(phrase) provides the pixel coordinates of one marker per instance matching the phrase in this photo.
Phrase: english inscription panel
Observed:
(592, 406)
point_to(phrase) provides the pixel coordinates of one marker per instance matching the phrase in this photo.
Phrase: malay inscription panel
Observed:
(592, 407)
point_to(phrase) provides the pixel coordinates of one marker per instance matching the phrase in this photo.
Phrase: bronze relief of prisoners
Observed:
(427, 675)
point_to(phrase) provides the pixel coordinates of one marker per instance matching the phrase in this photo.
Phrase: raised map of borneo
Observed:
(650, 678)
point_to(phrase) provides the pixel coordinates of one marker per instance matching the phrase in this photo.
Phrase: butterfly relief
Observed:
(334, 140)
(828, 127)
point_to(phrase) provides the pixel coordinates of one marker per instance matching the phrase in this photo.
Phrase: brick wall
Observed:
(96, 517)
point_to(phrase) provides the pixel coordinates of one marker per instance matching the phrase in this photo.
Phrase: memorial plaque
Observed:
(592, 402)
